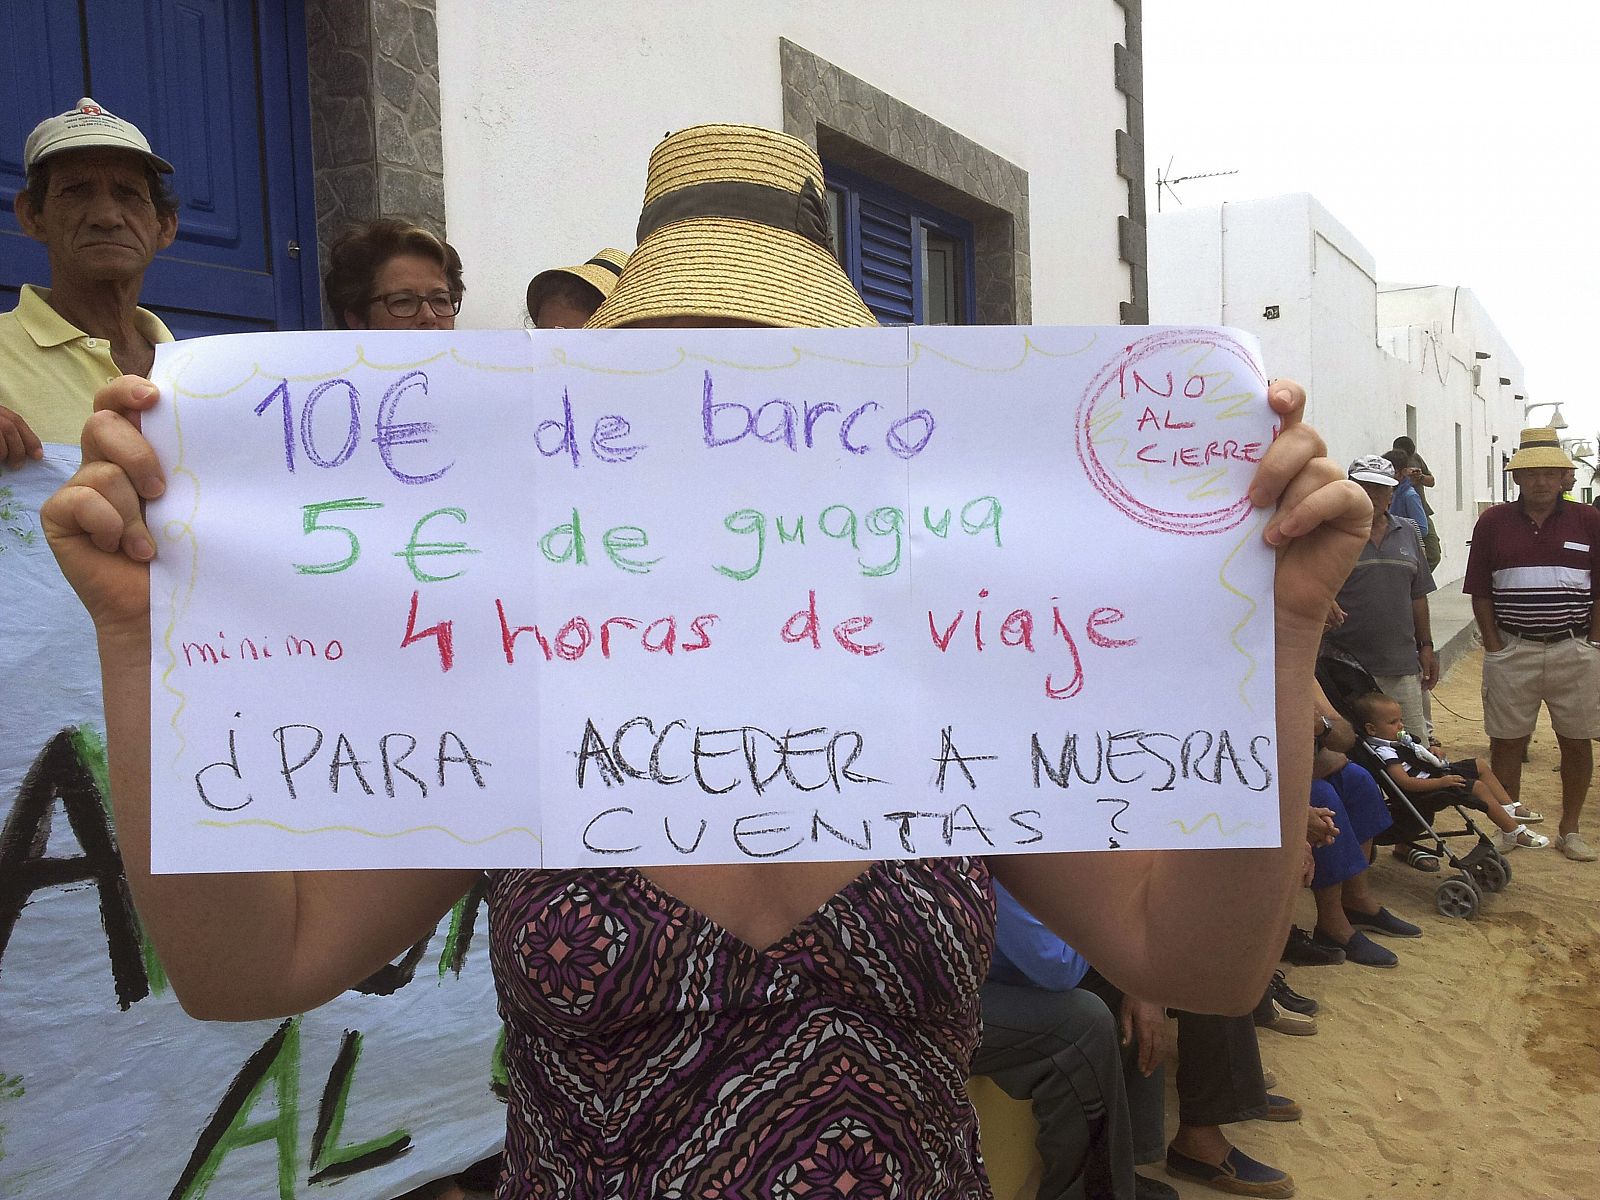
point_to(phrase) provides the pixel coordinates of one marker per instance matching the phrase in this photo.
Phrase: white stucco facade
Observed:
(550, 110)
(1377, 359)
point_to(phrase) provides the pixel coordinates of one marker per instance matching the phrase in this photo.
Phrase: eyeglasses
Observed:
(407, 304)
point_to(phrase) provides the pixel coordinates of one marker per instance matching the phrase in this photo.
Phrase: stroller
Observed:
(1483, 868)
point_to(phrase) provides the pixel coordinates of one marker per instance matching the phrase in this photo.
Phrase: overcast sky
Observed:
(1458, 141)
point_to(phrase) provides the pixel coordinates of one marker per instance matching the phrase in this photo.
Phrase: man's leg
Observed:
(1505, 759)
(1147, 1094)
(1219, 1081)
(1059, 1051)
(1577, 768)
(1512, 680)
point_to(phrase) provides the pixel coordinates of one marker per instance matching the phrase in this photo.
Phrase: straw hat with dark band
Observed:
(735, 225)
(600, 273)
(1539, 448)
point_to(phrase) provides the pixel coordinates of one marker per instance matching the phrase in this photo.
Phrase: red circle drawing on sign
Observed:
(1170, 428)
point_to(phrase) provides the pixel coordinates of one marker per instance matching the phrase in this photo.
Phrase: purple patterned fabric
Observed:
(653, 1054)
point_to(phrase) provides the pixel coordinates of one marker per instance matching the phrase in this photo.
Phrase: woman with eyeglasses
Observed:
(390, 274)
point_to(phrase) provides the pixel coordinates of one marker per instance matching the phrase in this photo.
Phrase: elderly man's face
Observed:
(98, 220)
(1541, 485)
(1379, 493)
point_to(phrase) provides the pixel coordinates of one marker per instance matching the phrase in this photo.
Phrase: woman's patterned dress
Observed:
(653, 1054)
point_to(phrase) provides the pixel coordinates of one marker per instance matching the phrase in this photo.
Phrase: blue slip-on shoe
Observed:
(1382, 921)
(1359, 949)
(1239, 1174)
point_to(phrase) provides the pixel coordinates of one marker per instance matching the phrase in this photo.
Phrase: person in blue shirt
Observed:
(1049, 1040)
(1406, 501)
(1049, 1037)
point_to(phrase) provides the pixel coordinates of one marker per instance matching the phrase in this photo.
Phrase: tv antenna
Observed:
(1168, 179)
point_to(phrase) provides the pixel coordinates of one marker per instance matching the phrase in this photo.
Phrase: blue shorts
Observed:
(1359, 812)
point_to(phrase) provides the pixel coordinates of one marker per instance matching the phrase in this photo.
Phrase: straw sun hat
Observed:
(734, 225)
(1539, 448)
(599, 272)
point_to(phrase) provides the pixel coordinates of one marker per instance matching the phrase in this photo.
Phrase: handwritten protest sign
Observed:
(708, 595)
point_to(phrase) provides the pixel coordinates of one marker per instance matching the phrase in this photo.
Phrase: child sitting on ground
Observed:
(1422, 774)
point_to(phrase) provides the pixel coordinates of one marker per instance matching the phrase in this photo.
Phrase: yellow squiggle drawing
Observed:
(1029, 347)
(1252, 530)
(181, 533)
(374, 833)
(1213, 818)
(561, 358)
(359, 360)
(1205, 487)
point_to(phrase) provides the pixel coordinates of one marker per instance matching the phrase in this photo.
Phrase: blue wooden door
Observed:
(220, 89)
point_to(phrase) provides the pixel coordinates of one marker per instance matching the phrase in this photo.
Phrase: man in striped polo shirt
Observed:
(1531, 573)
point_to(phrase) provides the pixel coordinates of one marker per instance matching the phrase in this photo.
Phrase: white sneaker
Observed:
(1575, 848)
(1522, 836)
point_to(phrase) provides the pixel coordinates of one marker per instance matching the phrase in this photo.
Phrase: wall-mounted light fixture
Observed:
(1480, 355)
(1556, 421)
(1504, 382)
(1519, 396)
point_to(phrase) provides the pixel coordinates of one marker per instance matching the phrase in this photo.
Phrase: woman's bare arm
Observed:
(236, 946)
(1201, 929)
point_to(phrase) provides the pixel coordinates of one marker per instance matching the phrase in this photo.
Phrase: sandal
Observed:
(1417, 858)
(1521, 812)
(1521, 836)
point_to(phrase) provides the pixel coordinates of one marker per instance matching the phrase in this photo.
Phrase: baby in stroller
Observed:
(1432, 783)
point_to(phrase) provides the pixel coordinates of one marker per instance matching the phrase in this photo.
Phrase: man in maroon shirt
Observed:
(1531, 574)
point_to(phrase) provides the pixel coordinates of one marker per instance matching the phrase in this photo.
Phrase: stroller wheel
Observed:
(1457, 898)
(1492, 874)
(1505, 865)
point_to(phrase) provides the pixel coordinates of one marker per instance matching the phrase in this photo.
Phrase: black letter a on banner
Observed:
(59, 773)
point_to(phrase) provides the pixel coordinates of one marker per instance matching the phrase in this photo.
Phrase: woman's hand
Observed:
(1322, 517)
(95, 522)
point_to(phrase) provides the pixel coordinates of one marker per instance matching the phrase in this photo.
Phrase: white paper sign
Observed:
(107, 1088)
(564, 598)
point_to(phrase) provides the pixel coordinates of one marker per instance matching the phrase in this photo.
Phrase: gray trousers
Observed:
(1059, 1050)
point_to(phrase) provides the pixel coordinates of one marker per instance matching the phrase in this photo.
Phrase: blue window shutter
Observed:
(887, 257)
(883, 236)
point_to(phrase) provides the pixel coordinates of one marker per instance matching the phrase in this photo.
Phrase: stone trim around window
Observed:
(376, 143)
(852, 123)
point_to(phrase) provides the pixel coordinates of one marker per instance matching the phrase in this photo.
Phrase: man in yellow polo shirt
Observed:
(96, 198)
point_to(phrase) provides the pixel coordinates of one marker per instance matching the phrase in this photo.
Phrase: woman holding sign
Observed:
(756, 1029)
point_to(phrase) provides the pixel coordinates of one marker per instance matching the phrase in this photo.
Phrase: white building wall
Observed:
(550, 110)
(1366, 352)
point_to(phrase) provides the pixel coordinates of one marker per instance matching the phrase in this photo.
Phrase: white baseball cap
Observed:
(83, 127)
(1373, 468)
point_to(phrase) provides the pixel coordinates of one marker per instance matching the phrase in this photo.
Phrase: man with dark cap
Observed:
(96, 198)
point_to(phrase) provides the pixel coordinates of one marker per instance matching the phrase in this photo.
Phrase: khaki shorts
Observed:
(1565, 675)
